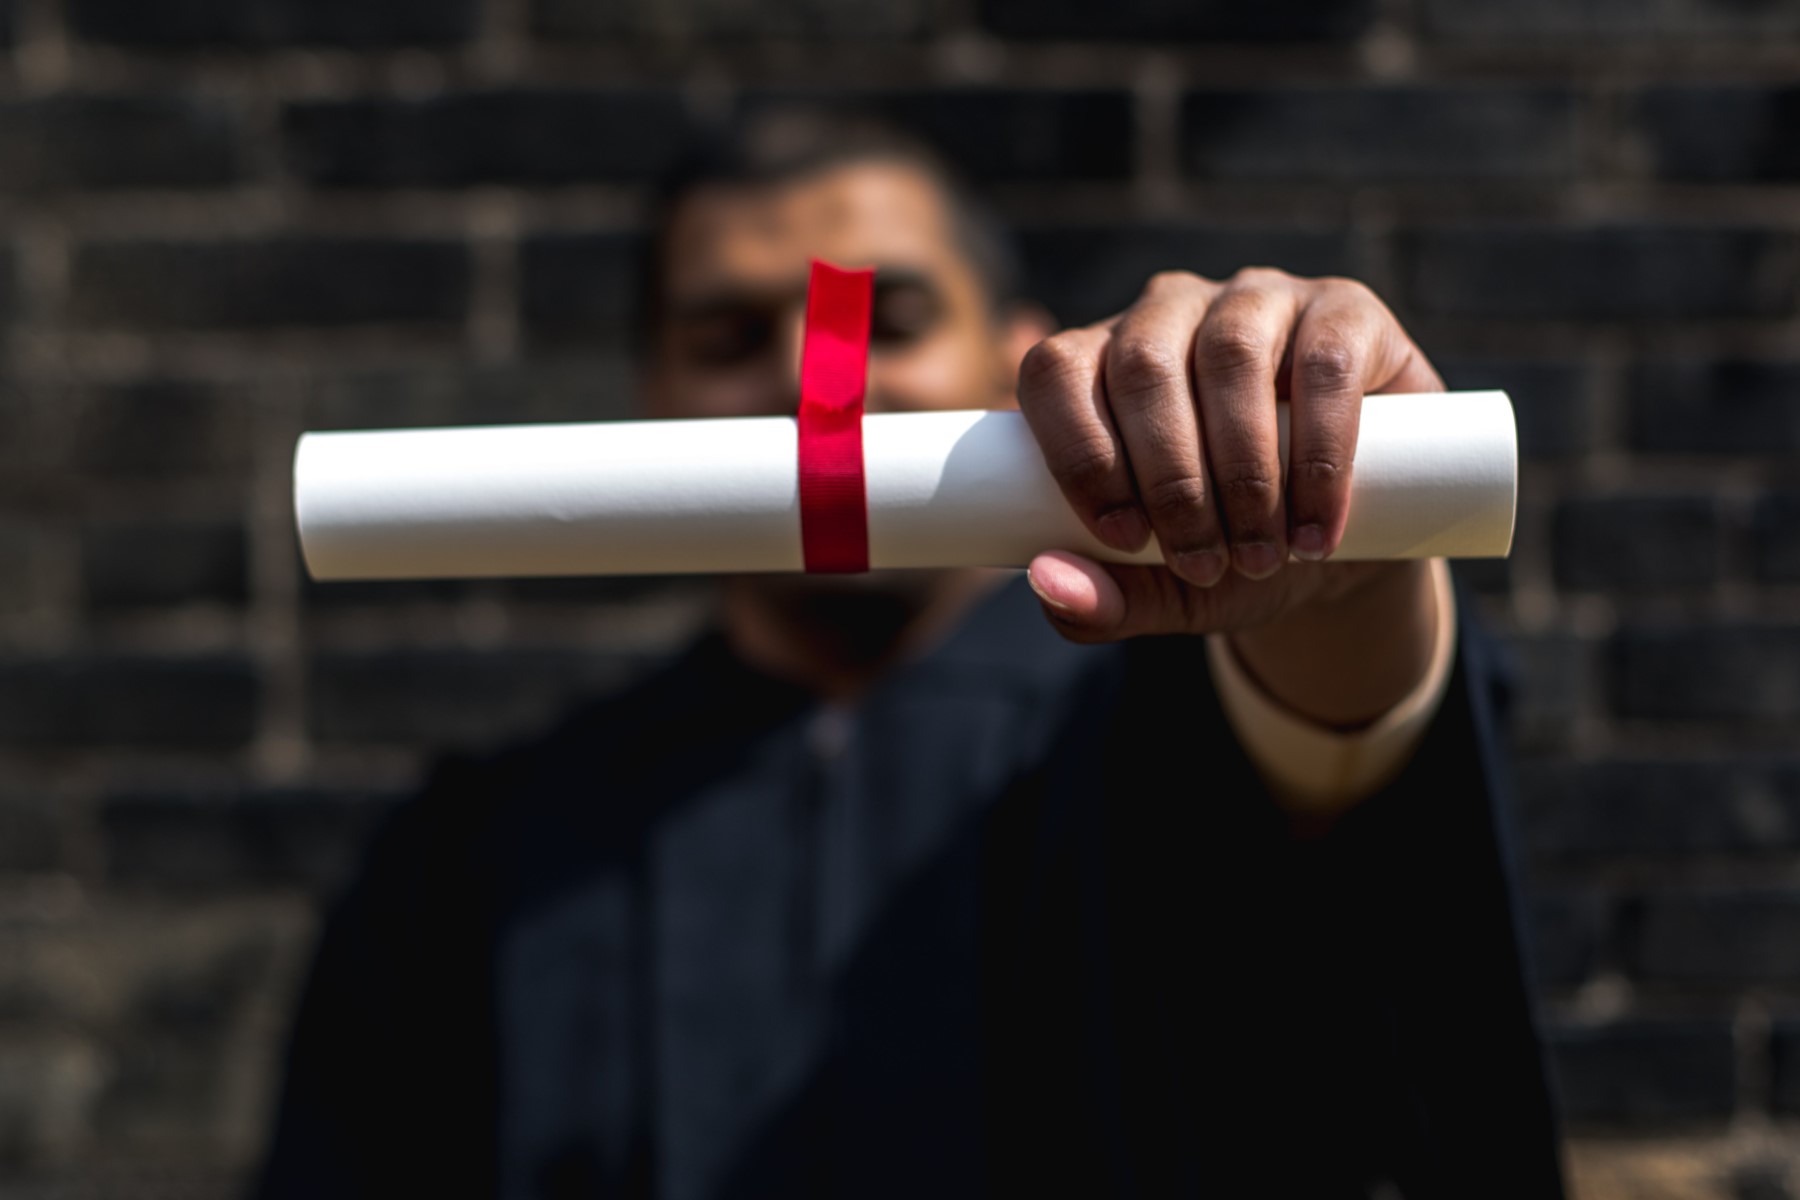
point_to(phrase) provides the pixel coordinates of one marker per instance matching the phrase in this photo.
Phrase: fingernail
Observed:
(1257, 560)
(1124, 528)
(1204, 568)
(1309, 542)
(1061, 609)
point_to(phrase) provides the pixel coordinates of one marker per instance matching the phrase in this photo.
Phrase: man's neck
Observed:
(837, 641)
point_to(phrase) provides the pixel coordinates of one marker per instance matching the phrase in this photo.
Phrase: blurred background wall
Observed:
(226, 221)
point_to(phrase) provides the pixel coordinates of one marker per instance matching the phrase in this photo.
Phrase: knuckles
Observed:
(1353, 290)
(1247, 487)
(1084, 466)
(1174, 283)
(1060, 360)
(1328, 365)
(1234, 347)
(1176, 497)
(1138, 368)
(1318, 473)
(1263, 278)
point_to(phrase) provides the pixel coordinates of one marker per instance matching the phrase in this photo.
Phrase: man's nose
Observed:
(790, 353)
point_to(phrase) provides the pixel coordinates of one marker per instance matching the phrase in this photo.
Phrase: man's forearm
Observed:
(1348, 662)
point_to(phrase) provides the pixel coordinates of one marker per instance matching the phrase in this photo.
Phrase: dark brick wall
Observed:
(225, 221)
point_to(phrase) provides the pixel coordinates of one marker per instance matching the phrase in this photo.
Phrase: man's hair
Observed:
(781, 145)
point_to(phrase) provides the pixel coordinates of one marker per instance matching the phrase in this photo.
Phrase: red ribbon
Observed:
(834, 357)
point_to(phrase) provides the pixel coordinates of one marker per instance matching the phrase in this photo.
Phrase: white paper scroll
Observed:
(1434, 475)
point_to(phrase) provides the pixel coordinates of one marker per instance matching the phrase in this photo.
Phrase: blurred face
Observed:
(729, 345)
(735, 289)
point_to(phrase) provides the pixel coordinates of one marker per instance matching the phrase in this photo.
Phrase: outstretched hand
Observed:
(1162, 420)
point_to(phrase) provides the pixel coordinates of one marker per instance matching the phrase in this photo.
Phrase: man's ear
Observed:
(1023, 324)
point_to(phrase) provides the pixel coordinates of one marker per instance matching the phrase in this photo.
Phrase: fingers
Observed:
(1237, 352)
(1150, 393)
(1334, 355)
(1090, 602)
(1346, 346)
(1062, 393)
(1163, 420)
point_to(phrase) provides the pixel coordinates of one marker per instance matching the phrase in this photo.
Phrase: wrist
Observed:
(1353, 651)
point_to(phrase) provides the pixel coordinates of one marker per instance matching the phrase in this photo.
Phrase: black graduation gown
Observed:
(1024, 920)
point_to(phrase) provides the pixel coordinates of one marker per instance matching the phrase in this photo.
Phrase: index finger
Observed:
(1062, 394)
(1347, 344)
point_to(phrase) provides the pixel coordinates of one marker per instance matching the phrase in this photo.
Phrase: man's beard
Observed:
(854, 620)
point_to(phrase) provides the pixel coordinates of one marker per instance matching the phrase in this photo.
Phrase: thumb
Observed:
(1091, 602)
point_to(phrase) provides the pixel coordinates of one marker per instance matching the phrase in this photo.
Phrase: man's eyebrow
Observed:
(726, 301)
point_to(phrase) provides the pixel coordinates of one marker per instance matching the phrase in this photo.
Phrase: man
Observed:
(892, 886)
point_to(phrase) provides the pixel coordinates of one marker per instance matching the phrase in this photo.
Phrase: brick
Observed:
(23, 439)
(93, 141)
(161, 1090)
(1352, 134)
(321, 601)
(171, 1067)
(1645, 1071)
(34, 834)
(730, 19)
(1724, 406)
(160, 428)
(1748, 673)
(1614, 272)
(213, 839)
(48, 1077)
(449, 696)
(581, 288)
(1720, 134)
(518, 136)
(200, 702)
(134, 563)
(1608, 21)
(196, 993)
(273, 23)
(1784, 1082)
(1556, 687)
(9, 298)
(1721, 935)
(994, 134)
(337, 596)
(565, 388)
(1638, 542)
(599, 589)
(1567, 933)
(1764, 1177)
(1776, 538)
(283, 281)
(23, 567)
(1087, 272)
(1552, 401)
(1647, 808)
(1157, 20)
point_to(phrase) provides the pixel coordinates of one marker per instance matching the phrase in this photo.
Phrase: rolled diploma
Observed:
(1433, 475)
